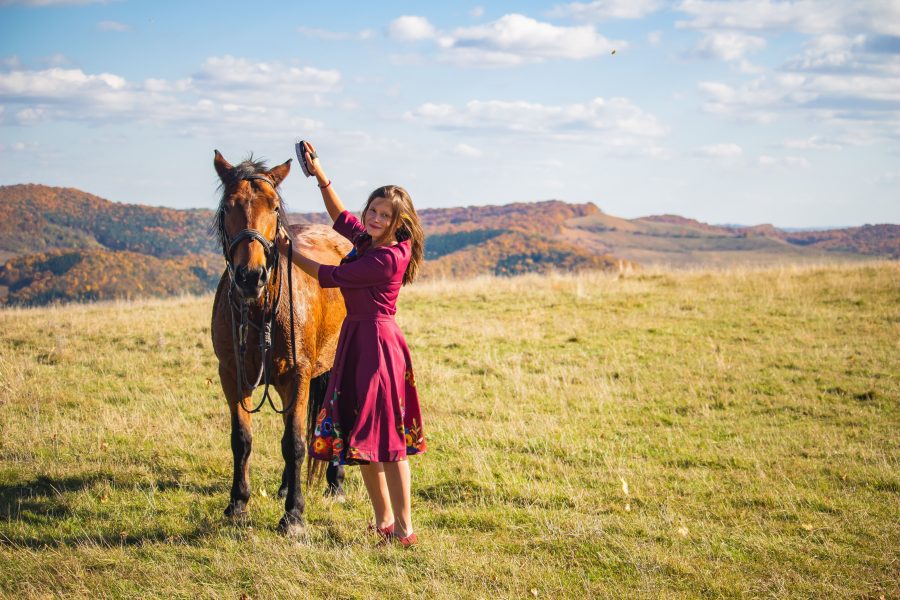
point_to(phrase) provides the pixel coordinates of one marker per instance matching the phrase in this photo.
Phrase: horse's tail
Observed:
(318, 386)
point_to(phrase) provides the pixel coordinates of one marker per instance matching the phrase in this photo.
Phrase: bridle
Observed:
(264, 328)
(230, 245)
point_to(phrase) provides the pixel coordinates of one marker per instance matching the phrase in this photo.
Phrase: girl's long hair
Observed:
(404, 226)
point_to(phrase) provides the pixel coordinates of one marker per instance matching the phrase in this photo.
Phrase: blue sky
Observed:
(752, 111)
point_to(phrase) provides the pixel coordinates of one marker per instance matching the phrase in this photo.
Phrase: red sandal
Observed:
(386, 532)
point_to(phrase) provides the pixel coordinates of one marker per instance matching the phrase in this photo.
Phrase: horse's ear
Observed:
(223, 168)
(280, 172)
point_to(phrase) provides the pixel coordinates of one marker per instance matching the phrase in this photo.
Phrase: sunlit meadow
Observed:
(677, 434)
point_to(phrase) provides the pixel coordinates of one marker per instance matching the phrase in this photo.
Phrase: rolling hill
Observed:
(63, 244)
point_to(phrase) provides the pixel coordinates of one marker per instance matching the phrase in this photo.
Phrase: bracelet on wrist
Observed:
(322, 187)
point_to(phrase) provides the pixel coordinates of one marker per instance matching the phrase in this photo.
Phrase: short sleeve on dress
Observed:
(348, 225)
(375, 267)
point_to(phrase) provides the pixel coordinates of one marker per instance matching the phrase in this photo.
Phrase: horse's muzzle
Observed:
(250, 282)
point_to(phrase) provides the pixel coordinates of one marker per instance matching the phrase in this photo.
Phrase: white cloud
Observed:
(328, 35)
(728, 45)
(57, 83)
(889, 178)
(720, 151)
(836, 78)
(602, 10)
(511, 40)
(411, 28)
(113, 26)
(38, 3)
(615, 123)
(796, 161)
(54, 60)
(804, 16)
(790, 162)
(238, 80)
(227, 93)
(848, 86)
(654, 38)
(753, 101)
(29, 116)
(467, 151)
(516, 39)
(477, 12)
(814, 142)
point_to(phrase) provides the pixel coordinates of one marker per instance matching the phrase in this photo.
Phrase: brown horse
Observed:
(271, 322)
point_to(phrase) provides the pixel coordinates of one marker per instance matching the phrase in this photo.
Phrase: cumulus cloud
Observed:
(225, 92)
(467, 151)
(113, 26)
(602, 10)
(516, 39)
(30, 116)
(56, 83)
(511, 40)
(238, 80)
(804, 16)
(814, 142)
(846, 79)
(835, 77)
(411, 28)
(38, 3)
(333, 36)
(720, 151)
(790, 162)
(612, 123)
(728, 45)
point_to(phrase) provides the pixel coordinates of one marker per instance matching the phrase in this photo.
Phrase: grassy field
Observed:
(683, 434)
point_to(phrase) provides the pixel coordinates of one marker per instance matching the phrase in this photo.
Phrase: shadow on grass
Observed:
(43, 504)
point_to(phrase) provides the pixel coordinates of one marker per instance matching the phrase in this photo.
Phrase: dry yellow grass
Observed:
(676, 434)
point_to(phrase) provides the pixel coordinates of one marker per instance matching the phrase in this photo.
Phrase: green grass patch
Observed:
(662, 434)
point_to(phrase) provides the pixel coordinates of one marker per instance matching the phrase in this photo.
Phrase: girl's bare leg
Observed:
(398, 483)
(376, 484)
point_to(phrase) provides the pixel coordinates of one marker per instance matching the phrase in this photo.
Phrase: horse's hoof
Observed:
(335, 493)
(292, 527)
(237, 511)
(282, 492)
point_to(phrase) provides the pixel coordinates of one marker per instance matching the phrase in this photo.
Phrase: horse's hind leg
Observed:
(334, 476)
(293, 449)
(334, 479)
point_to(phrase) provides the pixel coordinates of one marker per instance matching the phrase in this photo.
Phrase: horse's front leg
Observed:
(241, 442)
(293, 449)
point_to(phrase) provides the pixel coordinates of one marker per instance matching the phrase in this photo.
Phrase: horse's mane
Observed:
(238, 173)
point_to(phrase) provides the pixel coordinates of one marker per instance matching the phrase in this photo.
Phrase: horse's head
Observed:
(247, 221)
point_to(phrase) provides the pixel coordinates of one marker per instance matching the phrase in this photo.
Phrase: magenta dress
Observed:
(371, 411)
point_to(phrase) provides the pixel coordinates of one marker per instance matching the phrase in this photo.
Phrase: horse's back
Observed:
(320, 242)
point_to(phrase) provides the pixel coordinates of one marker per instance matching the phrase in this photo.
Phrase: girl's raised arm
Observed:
(333, 203)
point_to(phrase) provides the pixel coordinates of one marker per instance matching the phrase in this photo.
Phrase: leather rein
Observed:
(239, 330)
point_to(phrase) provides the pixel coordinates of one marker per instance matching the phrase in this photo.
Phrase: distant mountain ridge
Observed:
(62, 244)
(873, 240)
(38, 217)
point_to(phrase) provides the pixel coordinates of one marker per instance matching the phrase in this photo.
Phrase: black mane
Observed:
(238, 173)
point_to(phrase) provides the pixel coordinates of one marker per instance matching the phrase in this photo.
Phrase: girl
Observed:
(371, 414)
